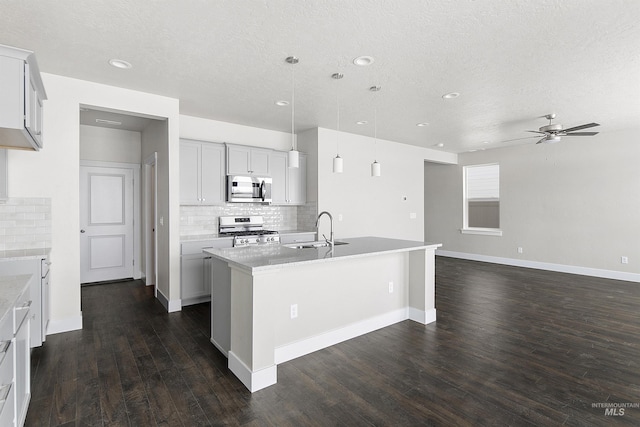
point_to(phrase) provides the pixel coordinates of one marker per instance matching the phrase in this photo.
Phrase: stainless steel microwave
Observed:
(248, 189)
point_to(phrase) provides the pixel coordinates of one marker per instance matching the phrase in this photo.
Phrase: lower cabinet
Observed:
(195, 272)
(39, 293)
(15, 359)
(22, 316)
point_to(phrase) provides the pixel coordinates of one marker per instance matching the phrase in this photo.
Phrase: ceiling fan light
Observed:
(552, 139)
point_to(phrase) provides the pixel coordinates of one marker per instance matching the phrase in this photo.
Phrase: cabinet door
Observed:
(212, 175)
(297, 183)
(259, 162)
(189, 173)
(193, 277)
(4, 184)
(279, 176)
(23, 371)
(33, 109)
(237, 160)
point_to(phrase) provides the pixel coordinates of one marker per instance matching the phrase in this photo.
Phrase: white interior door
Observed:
(106, 222)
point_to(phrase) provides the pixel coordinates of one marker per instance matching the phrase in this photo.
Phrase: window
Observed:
(482, 200)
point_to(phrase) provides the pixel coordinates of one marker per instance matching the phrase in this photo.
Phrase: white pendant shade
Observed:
(293, 158)
(337, 164)
(375, 168)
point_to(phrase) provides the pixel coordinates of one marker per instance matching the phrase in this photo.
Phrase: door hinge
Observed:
(133, 262)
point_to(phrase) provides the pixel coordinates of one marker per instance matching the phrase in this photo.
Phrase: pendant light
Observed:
(375, 166)
(294, 156)
(337, 160)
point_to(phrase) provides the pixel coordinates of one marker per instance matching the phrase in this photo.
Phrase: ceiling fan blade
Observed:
(542, 140)
(536, 131)
(581, 134)
(518, 139)
(588, 125)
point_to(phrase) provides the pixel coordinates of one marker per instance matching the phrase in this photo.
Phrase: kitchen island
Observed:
(273, 303)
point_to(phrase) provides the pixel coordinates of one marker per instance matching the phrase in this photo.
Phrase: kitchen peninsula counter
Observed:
(267, 257)
(273, 303)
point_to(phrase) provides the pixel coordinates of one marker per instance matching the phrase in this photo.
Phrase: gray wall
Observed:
(573, 203)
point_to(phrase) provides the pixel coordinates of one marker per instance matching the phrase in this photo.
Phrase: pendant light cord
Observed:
(293, 105)
(338, 119)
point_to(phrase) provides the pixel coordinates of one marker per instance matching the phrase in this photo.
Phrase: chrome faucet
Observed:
(330, 239)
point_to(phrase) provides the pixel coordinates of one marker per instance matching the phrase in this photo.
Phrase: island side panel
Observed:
(338, 300)
(422, 287)
(251, 357)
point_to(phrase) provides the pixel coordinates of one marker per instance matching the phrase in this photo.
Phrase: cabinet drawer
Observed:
(7, 404)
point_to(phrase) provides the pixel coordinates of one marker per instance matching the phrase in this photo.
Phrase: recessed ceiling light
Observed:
(485, 142)
(362, 122)
(423, 124)
(119, 63)
(440, 144)
(451, 95)
(471, 151)
(282, 103)
(363, 61)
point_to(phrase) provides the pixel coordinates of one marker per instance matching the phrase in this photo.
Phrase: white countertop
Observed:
(11, 287)
(266, 257)
(21, 254)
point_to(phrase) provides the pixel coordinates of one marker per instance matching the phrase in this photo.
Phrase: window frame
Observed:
(465, 205)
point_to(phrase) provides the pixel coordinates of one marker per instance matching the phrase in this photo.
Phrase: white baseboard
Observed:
(253, 381)
(309, 345)
(561, 268)
(420, 316)
(169, 305)
(57, 326)
(220, 348)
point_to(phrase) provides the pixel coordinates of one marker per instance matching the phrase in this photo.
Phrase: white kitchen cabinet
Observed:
(4, 183)
(22, 379)
(21, 99)
(279, 178)
(245, 160)
(289, 185)
(39, 292)
(7, 363)
(202, 178)
(195, 276)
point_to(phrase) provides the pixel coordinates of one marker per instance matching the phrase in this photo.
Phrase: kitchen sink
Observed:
(310, 245)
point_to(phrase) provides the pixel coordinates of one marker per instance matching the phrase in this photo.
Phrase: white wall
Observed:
(370, 206)
(54, 172)
(574, 203)
(109, 145)
(216, 131)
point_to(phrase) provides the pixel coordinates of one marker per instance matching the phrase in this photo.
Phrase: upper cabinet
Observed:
(21, 97)
(202, 178)
(244, 160)
(289, 185)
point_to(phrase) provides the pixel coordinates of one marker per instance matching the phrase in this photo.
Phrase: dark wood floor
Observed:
(511, 346)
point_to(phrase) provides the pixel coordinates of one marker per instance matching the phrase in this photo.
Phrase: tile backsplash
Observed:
(196, 220)
(25, 223)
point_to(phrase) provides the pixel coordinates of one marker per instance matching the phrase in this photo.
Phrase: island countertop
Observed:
(267, 257)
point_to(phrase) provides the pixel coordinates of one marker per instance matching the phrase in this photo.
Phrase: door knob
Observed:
(82, 231)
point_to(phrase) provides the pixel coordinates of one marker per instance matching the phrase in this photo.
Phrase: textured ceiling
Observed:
(512, 61)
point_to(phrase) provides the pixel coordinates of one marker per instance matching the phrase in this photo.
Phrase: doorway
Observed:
(150, 220)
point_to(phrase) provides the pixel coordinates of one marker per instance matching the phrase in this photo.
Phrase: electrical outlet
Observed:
(294, 311)
(412, 215)
(624, 260)
(390, 287)
(519, 249)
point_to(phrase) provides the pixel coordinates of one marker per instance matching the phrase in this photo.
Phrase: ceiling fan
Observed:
(553, 132)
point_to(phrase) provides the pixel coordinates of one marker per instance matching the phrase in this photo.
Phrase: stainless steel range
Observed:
(247, 230)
